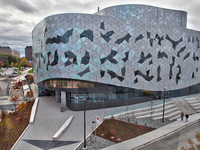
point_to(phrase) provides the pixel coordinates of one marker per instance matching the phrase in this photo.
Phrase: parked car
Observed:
(14, 72)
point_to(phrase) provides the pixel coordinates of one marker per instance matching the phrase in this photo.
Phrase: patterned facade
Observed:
(134, 46)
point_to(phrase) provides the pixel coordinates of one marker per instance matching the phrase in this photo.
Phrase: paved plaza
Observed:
(49, 119)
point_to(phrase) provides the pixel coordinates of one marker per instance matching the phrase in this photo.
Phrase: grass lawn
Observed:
(30, 71)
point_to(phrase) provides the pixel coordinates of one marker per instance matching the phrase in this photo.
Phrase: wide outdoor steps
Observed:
(156, 112)
(194, 102)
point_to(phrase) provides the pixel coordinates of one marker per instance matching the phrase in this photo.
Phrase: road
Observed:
(8, 71)
(175, 141)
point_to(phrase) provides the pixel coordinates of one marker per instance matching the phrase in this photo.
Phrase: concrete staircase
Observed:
(194, 103)
(173, 109)
(156, 112)
(184, 106)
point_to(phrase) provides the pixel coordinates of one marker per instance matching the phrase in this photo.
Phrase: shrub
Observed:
(15, 100)
(19, 119)
(3, 114)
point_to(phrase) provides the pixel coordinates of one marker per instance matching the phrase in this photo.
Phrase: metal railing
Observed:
(128, 108)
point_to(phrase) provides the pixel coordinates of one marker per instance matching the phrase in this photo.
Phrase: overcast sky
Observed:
(19, 17)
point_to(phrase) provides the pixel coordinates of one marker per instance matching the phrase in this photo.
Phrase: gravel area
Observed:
(149, 122)
(102, 143)
(95, 143)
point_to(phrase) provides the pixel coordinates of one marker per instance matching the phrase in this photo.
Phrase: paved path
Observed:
(48, 120)
(4, 96)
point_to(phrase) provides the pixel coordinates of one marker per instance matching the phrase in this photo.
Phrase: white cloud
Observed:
(18, 17)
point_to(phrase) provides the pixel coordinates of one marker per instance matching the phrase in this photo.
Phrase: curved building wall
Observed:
(135, 46)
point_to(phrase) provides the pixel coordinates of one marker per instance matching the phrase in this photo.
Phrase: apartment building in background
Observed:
(28, 53)
(5, 49)
(16, 53)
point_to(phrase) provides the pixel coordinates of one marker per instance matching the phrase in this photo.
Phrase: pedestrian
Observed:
(182, 115)
(186, 116)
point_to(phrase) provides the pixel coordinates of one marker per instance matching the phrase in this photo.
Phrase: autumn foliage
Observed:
(15, 100)
(1, 64)
(30, 77)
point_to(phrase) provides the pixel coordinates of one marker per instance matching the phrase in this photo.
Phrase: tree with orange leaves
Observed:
(29, 64)
(1, 64)
(29, 94)
(15, 100)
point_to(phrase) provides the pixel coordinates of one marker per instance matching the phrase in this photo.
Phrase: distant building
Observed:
(28, 53)
(16, 53)
(5, 49)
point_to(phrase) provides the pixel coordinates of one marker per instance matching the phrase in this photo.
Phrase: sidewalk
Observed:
(155, 135)
(48, 120)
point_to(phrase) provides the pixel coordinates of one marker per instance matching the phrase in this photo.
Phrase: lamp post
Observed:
(84, 100)
(163, 117)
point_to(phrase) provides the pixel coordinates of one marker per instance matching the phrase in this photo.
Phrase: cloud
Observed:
(4, 43)
(19, 17)
(21, 5)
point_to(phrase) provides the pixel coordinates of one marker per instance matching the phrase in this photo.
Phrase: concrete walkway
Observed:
(48, 120)
(148, 138)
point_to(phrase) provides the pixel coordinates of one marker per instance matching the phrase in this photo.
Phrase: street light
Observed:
(84, 101)
(163, 117)
(84, 127)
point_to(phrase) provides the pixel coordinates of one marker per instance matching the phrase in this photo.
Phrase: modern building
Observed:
(5, 49)
(28, 53)
(118, 56)
(16, 53)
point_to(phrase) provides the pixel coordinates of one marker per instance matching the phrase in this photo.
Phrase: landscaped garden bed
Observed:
(119, 131)
(13, 124)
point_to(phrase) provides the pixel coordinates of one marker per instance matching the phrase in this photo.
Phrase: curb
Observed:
(33, 111)
(163, 136)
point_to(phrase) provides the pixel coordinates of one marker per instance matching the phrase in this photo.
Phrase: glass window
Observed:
(51, 83)
(64, 83)
(47, 83)
(75, 84)
(79, 84)
(69, 84)
(59, 84)
(54, 83)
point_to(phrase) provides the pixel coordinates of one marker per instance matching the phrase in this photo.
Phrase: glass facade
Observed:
(98, 92)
